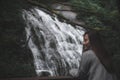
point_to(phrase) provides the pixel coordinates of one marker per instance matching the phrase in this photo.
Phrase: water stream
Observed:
(56, 45)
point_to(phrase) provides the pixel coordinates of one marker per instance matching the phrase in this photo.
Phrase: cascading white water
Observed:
(56, 45)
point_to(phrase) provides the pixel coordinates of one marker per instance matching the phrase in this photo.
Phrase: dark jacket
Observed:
(92, 69)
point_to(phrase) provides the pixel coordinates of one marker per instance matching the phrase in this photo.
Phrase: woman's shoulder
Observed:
(89, 54)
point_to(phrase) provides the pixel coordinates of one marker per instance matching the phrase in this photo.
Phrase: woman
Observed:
(95, 62)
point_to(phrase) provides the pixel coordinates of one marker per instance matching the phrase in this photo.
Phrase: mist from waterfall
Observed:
(56, 45)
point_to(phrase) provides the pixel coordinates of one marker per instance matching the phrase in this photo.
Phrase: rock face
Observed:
(67, 12)
(15, 57)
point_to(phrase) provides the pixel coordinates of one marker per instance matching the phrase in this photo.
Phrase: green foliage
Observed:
(95, 12)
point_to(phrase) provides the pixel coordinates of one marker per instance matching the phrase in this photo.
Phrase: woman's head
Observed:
(92, 40)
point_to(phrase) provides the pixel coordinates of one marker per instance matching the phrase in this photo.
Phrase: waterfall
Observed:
(56, 45)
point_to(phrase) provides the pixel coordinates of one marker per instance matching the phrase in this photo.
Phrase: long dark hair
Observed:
(97, 46)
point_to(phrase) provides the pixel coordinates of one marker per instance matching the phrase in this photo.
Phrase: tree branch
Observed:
(65, 10)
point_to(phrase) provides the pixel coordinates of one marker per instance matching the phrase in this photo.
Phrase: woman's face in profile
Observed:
(86, 43)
